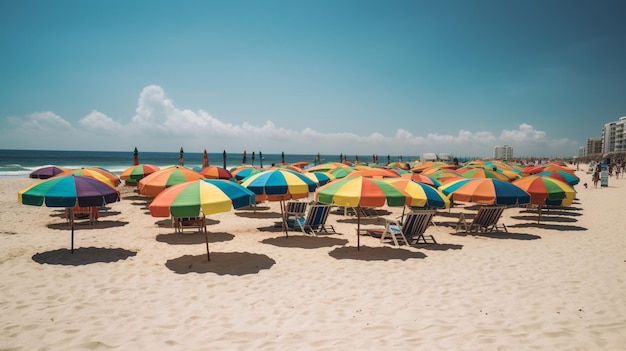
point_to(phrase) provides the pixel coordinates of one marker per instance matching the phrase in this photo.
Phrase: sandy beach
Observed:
(133, 284)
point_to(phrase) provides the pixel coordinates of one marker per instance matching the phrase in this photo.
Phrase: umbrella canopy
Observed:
(361, 192)
(374, 173)
(280, 185)
(47, 172)
(479, 172)
(156, 182)
(132, 175)
(547, 191)
(208, 196)
(325, 167)
(442, 175)
(421, 178)
(321, 178)
(485, 191)
(69, 191)
(95, 173)
(240, 173)
(421, 195)
(214, 172)
(563, 176)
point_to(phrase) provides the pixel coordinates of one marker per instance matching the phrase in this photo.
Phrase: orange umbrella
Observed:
(96, 173)
(156, 182)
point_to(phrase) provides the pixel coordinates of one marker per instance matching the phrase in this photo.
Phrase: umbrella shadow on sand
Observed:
(84, 225)
(366, 253)
(167, 223)
(559, 227)
(260, 214)
(82, 256)
(193, 238)
(305, 242)
(222, 263)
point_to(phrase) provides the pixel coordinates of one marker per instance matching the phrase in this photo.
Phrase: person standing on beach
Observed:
(595, 178)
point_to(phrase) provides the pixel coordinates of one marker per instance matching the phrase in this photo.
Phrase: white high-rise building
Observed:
(504, 152)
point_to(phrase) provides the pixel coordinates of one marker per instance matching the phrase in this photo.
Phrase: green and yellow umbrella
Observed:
(156, 182)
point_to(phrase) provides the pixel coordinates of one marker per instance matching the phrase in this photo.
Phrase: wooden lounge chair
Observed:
(411, 231)
(90, 213)
(314, 222)
(486, 220)
(197, 222)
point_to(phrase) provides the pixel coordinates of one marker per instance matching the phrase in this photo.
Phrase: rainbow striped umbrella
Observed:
(240, 173)
(69, 191)
(280, 185)
(421, 195)
(479, 172)
(361, 192)
(95, 173)
(547, 191)
(421, 178)
(321, 178)
(158, 181)
(485, 191)
(563, 176)
(187, 200)
(133, 174)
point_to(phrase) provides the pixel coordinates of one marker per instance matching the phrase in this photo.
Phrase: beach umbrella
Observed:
(252, 163)
(132, 175)
(325, 167)
(485, 191)
(156, 182)
(420, 194)
(374, 173)
(361, 192)
(532, 169)
(320, 178)
(566, 177)
(260, 159)
(479, 172)
(341, 172)
(214, 172)
(95, 173)
(206, 196)
(240, 173)
(245, 160)
(69, 191)
(224, 158)
(546, 191)
(47, 172)
(280, 185)
(555, 167)
(421, 178)
(443, 175)
(181, 157)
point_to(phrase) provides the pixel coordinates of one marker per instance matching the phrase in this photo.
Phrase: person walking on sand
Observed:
(595, 178)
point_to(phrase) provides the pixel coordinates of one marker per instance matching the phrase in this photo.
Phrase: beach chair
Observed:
(411, 230)
(179, 223)
(485, 221)
(314, 222)
(294, 210)
(90, 213)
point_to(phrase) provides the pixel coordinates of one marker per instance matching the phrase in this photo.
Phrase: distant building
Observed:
(504, 152)
(593, 147)
(614, 136)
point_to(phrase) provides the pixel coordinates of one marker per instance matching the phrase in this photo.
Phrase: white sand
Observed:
(132, 284)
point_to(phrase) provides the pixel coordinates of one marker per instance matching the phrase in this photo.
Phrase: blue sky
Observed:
(354, 77)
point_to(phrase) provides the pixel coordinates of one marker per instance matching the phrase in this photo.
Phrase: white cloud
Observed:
(159, 125)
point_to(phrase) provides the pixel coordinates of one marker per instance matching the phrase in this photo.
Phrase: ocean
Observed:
(20, 163)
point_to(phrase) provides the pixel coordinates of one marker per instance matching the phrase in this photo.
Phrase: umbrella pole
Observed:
(72, 226)
(358, 228)
(282, 214)
(206, 237)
